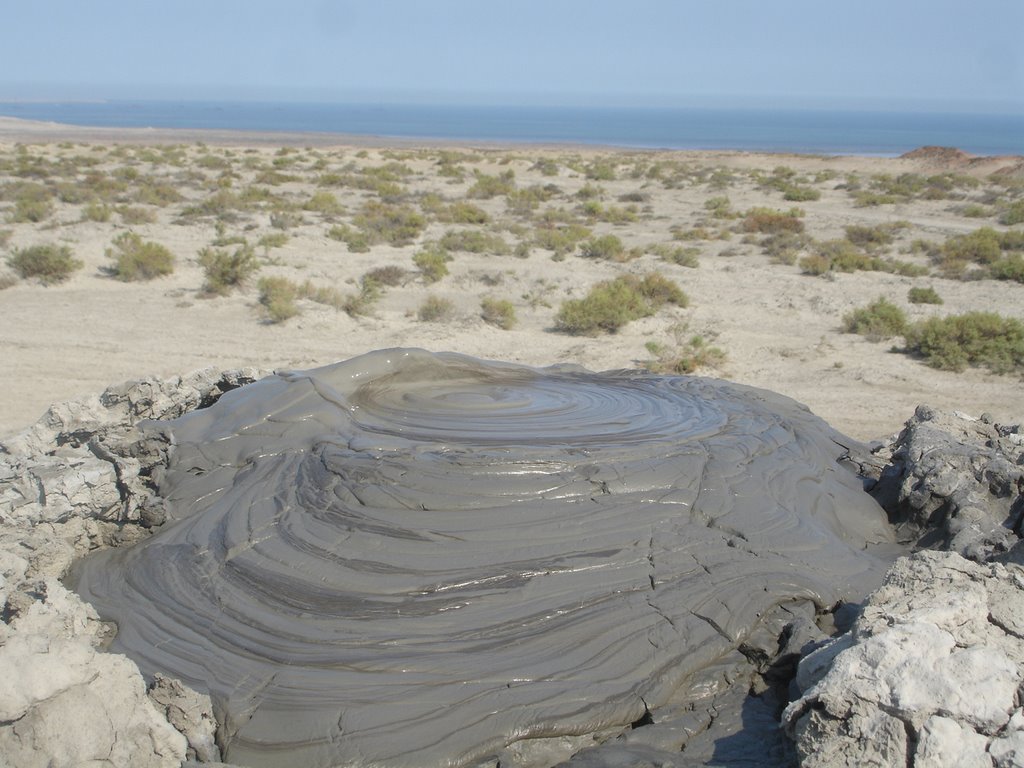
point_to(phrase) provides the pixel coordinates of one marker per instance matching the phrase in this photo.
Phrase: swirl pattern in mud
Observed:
(416, 559)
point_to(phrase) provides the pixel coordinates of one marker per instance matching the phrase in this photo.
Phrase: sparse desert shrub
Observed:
(98, 212)
(133, 215)
(611, 304)
(360, 302)
(784, 247)
(719, 206)
(870, 237)
(285, 219)
(324, 203)
(47, 263)
(682, 358)
(356, 241)
(474, 241)
(7, 281)
(1008, 268)
(277, 298)
(603, 247)
(923, 296)
(981, 246)
(389, 223)
(560, 239)
(226, 270)
(590, 192)
(769, 221)
(676, 254)
(975, 338)
(435, 309)
(5, 237)
(1013, 214)
(390, 275)
(659, 290)
(272, 240)
(975, 211)
(28, 209)
(499, 312)
(881, 319)
(600, 170)
(432, 261)
(798, 194)
(137, 259)
(487, 187)
(815, 264)
(461, 212)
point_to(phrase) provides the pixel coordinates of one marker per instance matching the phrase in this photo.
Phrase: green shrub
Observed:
(474, 241)
(31, 210)
(48, 263)
(797, 194)
(562, 239)
(390, 275)
(360, 302)
(1008, 268)
(679, 255)
(466, 213)
(432, 262)
(604, 247)
(356, 241)
(719, 206)
(487, 187)
(976, 338)
(815, 264)
(611, 304)
(870, 237)
(682, 359)
(881, 319)
(389, 223)
(768, 221)
(324, 203)
(499, 312)
(98, 212)
(435, 309)
(272, 240)
(923, 296)
(659, 290)
(277, 298)
(981, 246)
(136, 259)
(600, 170)
(1014, 214)
(227, 270)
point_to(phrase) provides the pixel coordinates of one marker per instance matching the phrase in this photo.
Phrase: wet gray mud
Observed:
(413, 559)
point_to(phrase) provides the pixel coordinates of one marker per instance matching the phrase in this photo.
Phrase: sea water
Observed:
(770, 130)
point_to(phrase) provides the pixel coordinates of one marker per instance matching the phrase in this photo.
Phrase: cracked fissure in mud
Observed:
(415, 559)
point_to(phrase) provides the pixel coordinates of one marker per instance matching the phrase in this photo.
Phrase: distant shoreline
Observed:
(762, 131)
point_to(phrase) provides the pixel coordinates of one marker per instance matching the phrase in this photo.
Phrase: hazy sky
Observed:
(957, 54)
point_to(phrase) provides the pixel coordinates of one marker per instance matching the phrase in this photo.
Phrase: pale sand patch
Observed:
(780, 329)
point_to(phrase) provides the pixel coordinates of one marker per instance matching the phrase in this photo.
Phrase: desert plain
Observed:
(370, 244)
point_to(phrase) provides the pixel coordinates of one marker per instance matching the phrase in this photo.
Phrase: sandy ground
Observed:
(780, 329)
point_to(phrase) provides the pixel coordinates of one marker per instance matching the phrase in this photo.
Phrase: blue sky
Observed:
(932, 54)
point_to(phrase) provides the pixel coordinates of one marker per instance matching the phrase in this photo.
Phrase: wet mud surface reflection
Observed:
(414, 559)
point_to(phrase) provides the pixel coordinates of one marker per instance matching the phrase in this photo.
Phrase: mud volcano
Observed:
(415, 559)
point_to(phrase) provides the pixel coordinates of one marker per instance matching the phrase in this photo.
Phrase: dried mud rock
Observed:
(66, 703)
(78, 480)
(929, 675)
(410, 559)
(956, 483)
